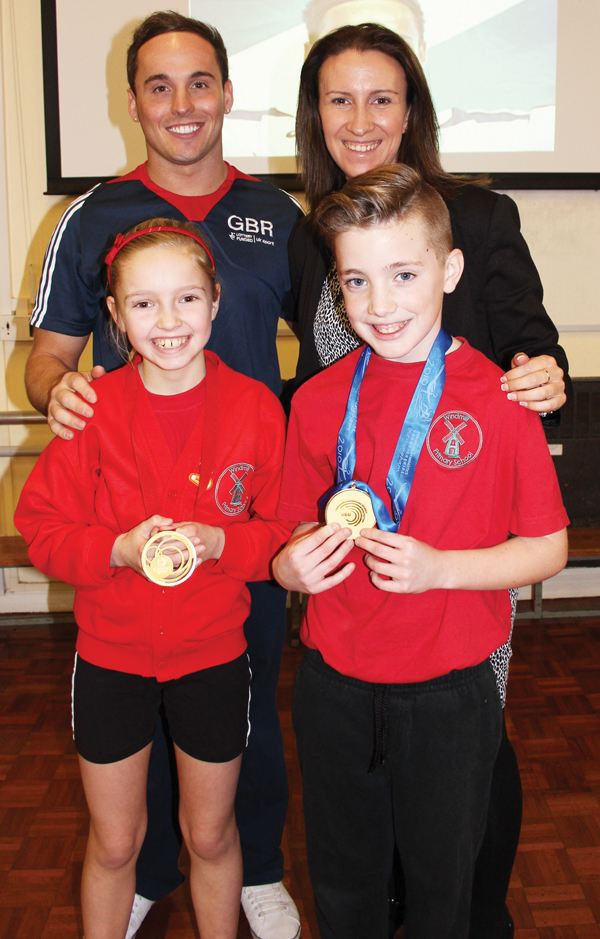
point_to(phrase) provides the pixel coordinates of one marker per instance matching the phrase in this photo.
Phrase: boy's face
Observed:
(394, 286)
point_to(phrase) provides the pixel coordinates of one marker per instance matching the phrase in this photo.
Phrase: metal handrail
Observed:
(11, 418)
(22, 417)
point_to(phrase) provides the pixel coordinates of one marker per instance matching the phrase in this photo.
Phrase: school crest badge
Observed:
(232, 491)
(454, 439)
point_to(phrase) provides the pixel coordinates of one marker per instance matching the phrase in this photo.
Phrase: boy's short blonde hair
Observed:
(389, 194)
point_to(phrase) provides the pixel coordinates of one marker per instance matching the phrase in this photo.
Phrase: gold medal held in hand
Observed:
(168, 558)
(351, 508)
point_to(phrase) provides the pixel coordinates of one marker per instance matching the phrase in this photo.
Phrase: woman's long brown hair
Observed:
(419, 147)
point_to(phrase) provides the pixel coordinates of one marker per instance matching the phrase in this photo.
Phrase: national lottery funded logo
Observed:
(251, 230)
(232, 491)
(454, 439)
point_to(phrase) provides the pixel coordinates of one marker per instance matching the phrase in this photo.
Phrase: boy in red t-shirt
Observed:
(396, 711)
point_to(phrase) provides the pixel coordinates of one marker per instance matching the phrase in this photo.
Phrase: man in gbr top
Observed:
(179, 93)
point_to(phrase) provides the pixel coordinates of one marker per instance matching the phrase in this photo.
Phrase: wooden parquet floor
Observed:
(553, 718)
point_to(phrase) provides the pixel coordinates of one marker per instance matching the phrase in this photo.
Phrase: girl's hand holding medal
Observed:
(160, 562)
(128, 547)
(208, 540)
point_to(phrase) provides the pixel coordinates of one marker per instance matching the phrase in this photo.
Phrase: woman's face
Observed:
(363, 110)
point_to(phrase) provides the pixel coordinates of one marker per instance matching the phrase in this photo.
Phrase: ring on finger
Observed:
(547, 376)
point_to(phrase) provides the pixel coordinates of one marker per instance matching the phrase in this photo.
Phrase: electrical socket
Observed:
(14, 328)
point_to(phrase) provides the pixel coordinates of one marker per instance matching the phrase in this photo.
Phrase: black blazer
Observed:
(497, 305)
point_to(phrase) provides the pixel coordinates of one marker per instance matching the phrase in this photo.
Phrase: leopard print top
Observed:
(334, 336)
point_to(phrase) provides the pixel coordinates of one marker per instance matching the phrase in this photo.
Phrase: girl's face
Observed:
(363, 110)
(164, 302)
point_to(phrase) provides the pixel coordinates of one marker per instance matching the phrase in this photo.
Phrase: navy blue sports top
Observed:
(247, 223)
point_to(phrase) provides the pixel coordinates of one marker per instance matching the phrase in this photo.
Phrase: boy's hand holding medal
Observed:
(208, 540)
(314, 552)
(351, 508)
(400, 564)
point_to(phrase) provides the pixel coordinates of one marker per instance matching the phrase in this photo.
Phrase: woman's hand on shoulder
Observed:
(535, 383)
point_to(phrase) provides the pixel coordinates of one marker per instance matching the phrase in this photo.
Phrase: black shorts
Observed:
(115, 713)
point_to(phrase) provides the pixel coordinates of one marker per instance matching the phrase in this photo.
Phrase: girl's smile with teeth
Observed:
(174, 342)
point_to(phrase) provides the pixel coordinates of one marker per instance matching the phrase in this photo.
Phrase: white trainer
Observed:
(271, 912)
(139, 911)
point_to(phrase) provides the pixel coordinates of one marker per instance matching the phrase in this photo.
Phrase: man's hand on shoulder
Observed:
(54, 385)
(70, 401)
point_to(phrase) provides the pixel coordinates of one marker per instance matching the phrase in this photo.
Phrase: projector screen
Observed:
(515, 83)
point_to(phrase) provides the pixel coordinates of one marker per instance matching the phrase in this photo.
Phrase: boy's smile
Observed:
(394, 285)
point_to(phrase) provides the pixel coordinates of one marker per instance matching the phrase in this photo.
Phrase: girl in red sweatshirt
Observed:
(178, 441)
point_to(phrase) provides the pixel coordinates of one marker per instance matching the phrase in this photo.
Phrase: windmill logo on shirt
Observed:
(454, 439)
(232, 491)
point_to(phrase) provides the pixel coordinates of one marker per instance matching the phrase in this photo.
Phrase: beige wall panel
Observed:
(583, 351)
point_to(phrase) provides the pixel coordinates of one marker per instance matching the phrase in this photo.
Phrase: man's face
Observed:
(390, 13)
(394, 285)
(180, 99)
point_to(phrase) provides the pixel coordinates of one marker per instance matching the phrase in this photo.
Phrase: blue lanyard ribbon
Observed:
(410, 443)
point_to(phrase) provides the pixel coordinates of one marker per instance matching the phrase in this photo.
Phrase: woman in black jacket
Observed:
(364, 103)
(498, 303)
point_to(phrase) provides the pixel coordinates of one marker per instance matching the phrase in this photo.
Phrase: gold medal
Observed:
(351, 508)
(164, 559)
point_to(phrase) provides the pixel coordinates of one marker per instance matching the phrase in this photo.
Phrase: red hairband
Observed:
(122, 240)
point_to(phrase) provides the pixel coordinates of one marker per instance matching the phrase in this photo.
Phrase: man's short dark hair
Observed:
(168, 21)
